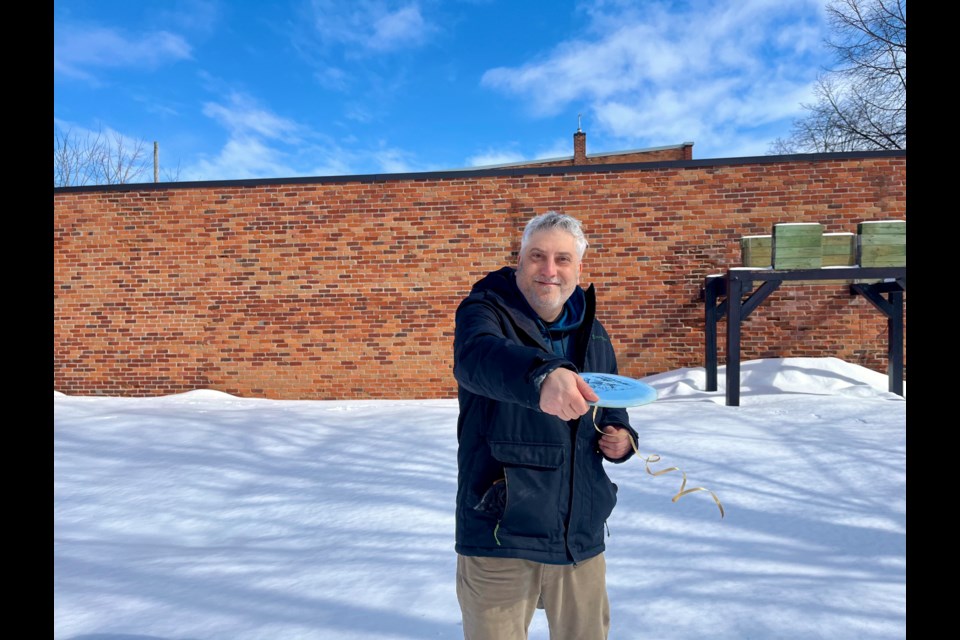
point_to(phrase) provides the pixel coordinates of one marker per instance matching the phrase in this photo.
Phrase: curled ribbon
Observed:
(654, 458)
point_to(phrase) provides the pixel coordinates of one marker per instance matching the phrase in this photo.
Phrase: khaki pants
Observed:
(498, 597)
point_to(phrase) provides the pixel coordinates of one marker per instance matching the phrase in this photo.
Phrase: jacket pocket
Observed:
(604, 500)
(534, 484)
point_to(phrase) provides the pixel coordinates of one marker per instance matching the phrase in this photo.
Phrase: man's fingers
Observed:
(561, 394)
(574, 410)
(615, 442)
(579, 407)
(614, 450)
(586, 391)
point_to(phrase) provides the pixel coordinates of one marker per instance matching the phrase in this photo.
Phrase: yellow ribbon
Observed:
(653, 458)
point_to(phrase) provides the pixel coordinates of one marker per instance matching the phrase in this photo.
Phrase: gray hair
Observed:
(555, 220)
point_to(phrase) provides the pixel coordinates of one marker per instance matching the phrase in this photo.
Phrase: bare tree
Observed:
(861, 104)
(172, 175)
(96, 158)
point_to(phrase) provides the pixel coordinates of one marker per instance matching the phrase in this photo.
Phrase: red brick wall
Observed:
(345, 288)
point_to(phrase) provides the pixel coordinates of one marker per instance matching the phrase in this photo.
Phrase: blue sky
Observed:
(242, 89)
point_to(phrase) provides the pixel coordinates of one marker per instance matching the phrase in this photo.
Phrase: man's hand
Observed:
(565, 394)
(615, 442)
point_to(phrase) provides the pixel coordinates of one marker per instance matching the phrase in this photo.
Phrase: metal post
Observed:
(895, 343)
(710, 331)
(734, 304)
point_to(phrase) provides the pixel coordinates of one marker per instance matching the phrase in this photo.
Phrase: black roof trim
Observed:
(484, 173)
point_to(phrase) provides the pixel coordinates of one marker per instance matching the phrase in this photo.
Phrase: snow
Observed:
(203, 516)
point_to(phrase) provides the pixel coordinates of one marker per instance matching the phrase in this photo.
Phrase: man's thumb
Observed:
(585, 390)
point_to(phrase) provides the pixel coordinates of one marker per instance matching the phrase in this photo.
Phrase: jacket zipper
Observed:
(506, 497)
(573, 461)
(581, 362)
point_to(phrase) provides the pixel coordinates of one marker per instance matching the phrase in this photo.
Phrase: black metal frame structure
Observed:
(738, 282)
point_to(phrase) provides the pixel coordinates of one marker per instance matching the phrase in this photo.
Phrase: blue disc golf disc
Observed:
(619, 391)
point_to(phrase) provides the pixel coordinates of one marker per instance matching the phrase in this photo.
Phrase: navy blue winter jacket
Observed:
(530, 485)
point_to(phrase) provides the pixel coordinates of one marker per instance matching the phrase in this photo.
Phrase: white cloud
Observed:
(197, 16)
(622, 62)
(663, 121)
(663, 75)
(558, 149)
(371, 25)
(393, 161)
(802, 38)
(494, 157)
(331, 166)
(262, 144)
(113, 139)
(398, 28)
(242, 116)
(242, 158)
(79, 50)
(333, 78)
(358, 112)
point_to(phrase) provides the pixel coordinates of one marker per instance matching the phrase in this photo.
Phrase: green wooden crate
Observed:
(883, 227)
(839, 249)
(755, 251)
(882, 243)
(797, 245)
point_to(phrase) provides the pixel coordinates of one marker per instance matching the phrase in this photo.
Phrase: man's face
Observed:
(548, 270)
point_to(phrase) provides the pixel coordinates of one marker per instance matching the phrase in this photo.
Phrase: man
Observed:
(532, 493)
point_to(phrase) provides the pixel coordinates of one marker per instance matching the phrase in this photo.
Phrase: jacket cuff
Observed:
(541, 372)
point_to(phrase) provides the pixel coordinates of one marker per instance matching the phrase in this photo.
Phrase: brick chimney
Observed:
(579, 147)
